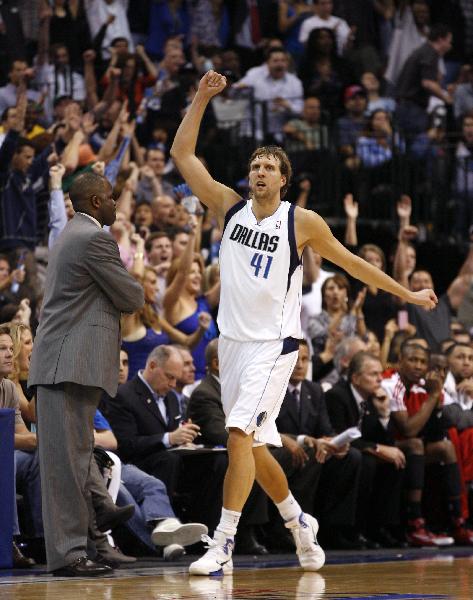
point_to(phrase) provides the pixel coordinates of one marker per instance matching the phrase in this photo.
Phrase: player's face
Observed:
(369, 378)
(460, 362)
(194, 279)
(266, 179)
(413, 365)
(6, 355)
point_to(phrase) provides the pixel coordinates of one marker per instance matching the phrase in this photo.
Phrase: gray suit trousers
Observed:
(65, 414)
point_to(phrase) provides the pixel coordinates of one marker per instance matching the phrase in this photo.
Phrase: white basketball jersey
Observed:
(261, 275)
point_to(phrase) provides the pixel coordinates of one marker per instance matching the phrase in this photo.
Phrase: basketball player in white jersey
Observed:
(259, 321)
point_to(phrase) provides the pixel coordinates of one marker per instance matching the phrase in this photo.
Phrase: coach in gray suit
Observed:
(75, 357)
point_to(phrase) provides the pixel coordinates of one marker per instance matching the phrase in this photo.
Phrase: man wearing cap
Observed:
(351, 124)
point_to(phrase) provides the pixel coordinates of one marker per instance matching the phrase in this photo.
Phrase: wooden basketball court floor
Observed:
(388, 575)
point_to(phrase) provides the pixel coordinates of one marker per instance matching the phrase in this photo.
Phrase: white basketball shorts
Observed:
(254, 378)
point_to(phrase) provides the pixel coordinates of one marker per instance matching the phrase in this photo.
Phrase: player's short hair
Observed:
(284, 163)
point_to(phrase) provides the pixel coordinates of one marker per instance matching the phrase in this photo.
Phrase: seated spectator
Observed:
(417, 411)
(418, 81)
(304, 419)
(379, 143)
(376, 102)
(278, 93)
(147, 422)
(379, 495)
(323, 17)
(351, 124)
(186, 383)
(26, 458)
(154, 521)
(183, 299)
(306, 133)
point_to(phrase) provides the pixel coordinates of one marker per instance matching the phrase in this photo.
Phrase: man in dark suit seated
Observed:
(304, 418)
(148, 425)
(378, 502)
(205, 409)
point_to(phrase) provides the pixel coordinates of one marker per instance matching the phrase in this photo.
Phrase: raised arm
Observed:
(312, 230)
(213, 194)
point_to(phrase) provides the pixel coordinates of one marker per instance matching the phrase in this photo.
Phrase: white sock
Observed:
(289, 509)
(229, 522)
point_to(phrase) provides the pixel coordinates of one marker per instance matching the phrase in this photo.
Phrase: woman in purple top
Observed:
(184, 302)
(145, 329)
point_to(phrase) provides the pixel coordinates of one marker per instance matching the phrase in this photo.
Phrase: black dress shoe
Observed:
(385, 539)
(20, 561)
(338, 541)
(246, 543)
(83, 567)
(109, 519)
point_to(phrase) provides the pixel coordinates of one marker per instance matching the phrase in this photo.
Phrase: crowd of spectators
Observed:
(373, 101)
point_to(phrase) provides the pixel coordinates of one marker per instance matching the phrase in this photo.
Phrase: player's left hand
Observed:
(425, 298)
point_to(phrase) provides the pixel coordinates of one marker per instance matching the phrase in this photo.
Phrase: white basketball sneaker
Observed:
(218, 558)
(310, 554)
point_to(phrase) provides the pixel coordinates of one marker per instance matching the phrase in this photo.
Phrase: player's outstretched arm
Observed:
(313, 231)
(213, 194)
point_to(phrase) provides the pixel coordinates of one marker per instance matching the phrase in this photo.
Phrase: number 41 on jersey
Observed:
(257, 264)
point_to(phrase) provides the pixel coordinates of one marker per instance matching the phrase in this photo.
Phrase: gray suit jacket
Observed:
(87, 288)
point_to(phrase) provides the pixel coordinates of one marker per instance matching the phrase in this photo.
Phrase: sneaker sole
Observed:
(184, 535)
(226, 569)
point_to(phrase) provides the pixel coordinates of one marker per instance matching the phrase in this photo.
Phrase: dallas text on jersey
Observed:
(254, 239)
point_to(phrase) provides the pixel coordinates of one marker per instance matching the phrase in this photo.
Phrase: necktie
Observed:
(363, 408)
(161, 407)
(297, 399)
